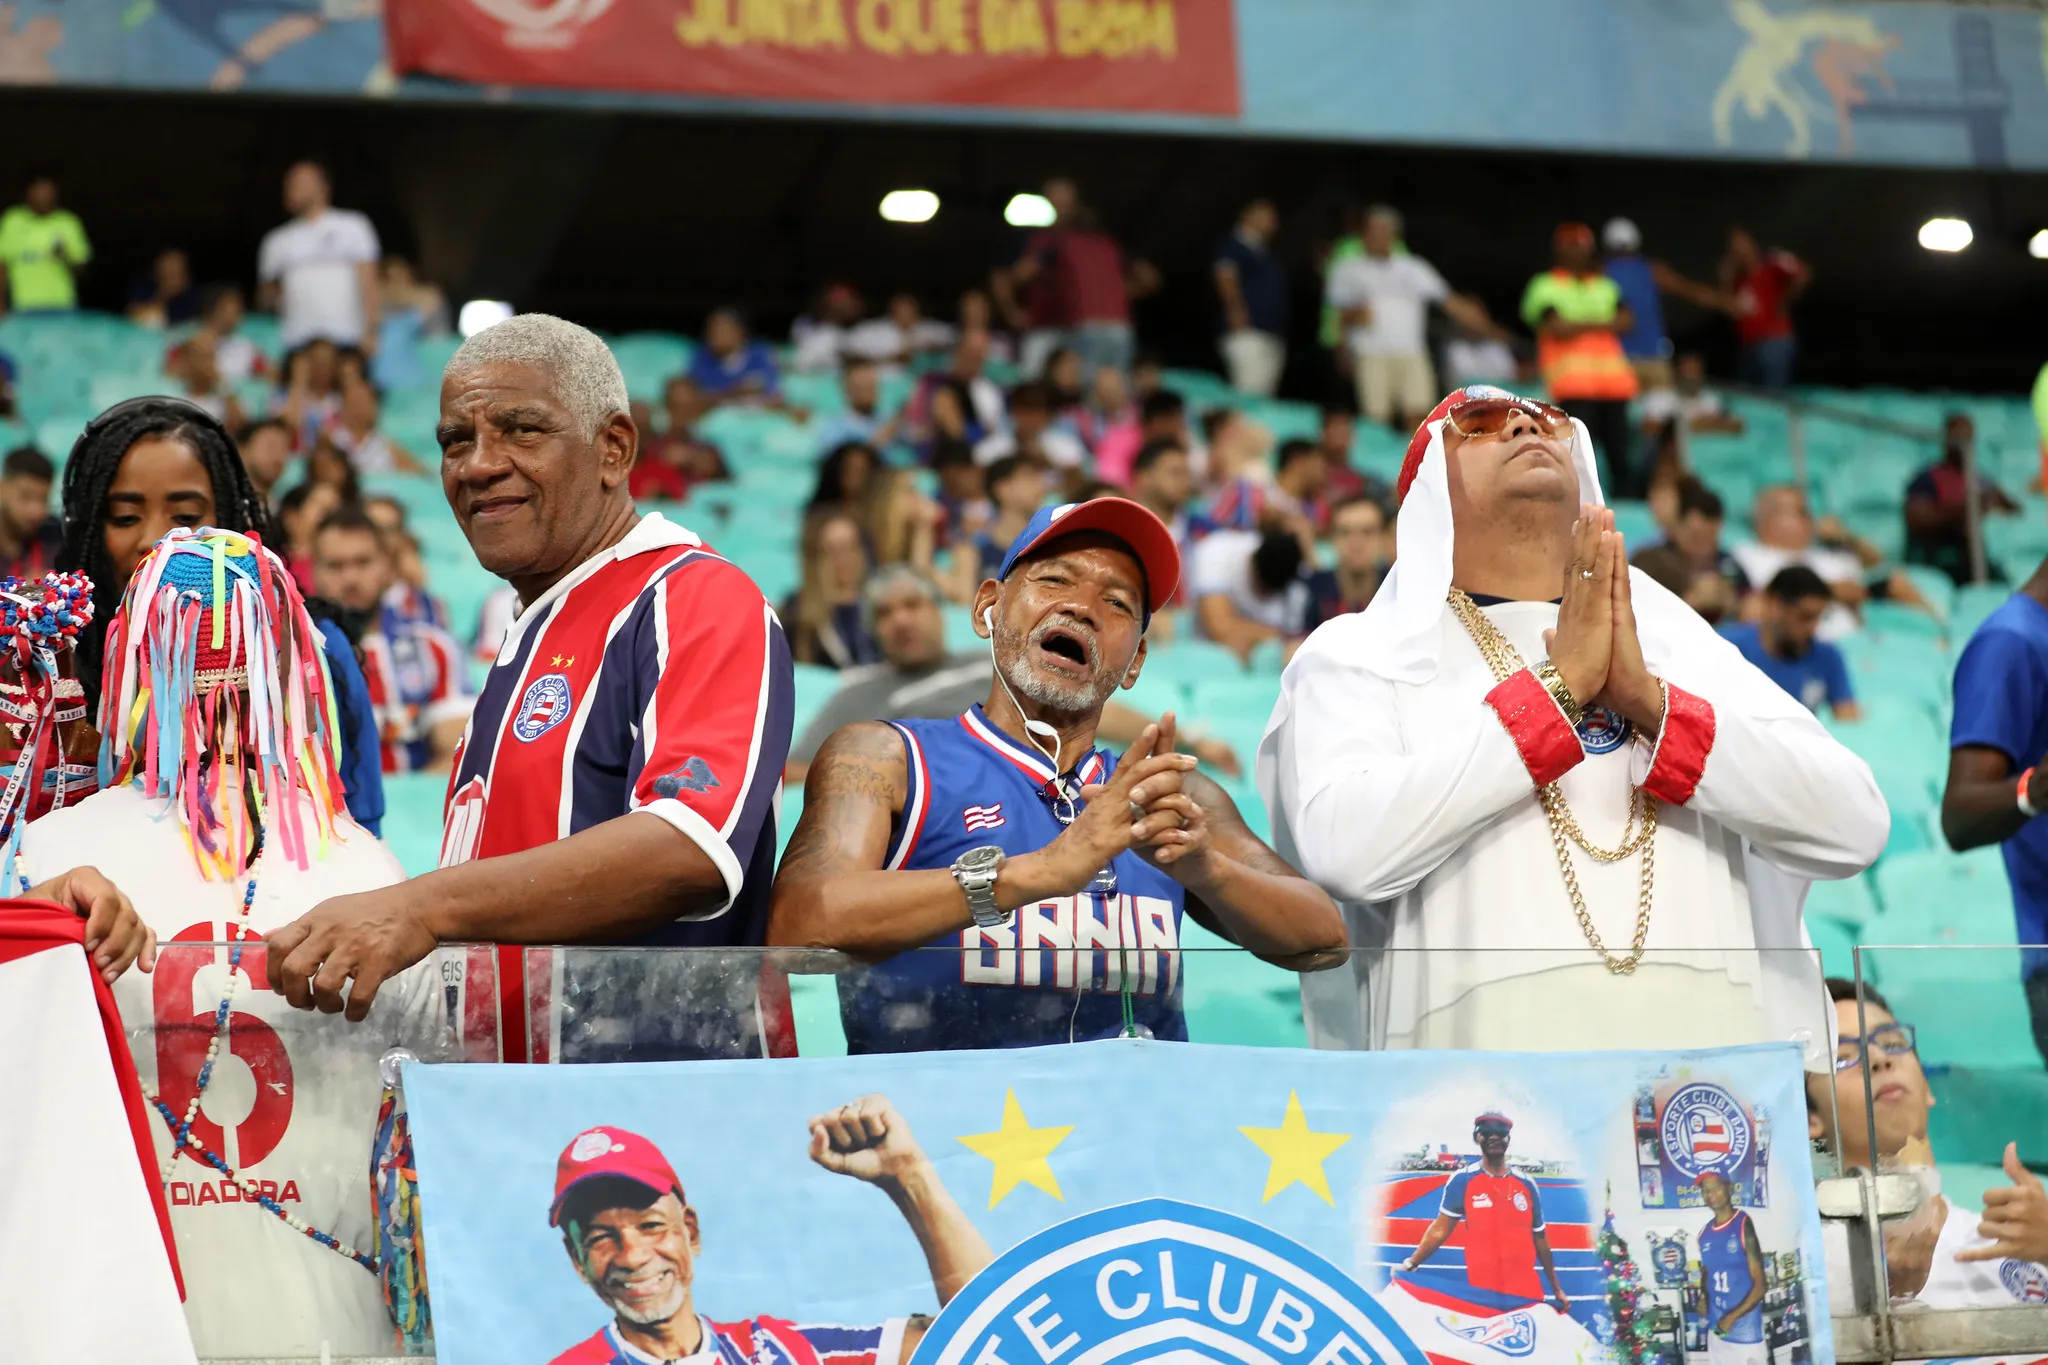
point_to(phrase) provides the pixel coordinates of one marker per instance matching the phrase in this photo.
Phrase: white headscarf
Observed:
(1397, 635)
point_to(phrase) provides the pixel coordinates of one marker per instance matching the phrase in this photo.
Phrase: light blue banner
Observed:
(1896, 83)
(1323, 1171)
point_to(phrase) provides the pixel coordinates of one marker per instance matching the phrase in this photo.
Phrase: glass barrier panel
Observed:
(281, 1142)
(1944, 1078)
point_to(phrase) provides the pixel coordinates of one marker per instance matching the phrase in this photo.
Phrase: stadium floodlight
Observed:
(2037, 245)
(1028, 210)
(1946, 234)
(478, 314)
(909, 206)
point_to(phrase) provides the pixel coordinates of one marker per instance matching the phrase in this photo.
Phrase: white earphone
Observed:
(1031, 727)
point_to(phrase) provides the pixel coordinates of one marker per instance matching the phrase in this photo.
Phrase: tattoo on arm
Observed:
(858, 776)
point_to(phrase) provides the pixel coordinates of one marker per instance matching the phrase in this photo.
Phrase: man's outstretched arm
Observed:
(612, 881)
(870, 1141)
(1439, 1232)
(1549, 1264)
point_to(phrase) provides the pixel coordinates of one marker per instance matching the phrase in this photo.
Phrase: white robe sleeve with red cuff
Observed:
(1741, 750)
(1543, 736)
(1371, 816)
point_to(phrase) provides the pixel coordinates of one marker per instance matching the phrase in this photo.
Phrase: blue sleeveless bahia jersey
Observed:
(1724, 1265)
(1056, 971)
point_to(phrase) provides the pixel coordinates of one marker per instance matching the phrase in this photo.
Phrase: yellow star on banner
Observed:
(1297, 1153)
(1019, 1152)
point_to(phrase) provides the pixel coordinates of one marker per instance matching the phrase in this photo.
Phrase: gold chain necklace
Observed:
(1638, 835)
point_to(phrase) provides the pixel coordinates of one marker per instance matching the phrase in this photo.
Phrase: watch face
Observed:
(982, 859)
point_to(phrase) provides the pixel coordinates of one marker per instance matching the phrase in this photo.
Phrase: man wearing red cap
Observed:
(1522, 744)
(633, 1237)
(1501, 1212)
(1053, 877)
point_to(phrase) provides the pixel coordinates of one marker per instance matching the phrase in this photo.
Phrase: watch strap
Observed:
(1553, 683)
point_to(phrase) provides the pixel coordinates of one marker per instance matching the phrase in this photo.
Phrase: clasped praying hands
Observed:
(1594, 646)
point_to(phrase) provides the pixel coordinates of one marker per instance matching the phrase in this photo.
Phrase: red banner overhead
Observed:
(1154, 56)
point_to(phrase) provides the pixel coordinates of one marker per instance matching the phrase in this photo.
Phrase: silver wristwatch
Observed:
(976, 871)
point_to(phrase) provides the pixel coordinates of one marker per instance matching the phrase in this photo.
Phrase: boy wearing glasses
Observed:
(1943, 1255)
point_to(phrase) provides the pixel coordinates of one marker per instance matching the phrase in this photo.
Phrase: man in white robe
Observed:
(1511, 649)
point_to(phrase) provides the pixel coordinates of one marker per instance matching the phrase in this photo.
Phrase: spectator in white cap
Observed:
(1521, 745)
(1647, 347)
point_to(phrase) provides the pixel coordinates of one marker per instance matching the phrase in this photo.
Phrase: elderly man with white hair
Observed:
(644, 676)
(1559, 811)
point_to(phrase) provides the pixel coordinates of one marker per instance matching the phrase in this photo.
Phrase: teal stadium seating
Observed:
(71, 365)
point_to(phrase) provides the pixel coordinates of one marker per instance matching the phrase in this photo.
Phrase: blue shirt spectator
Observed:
(1819, 677)
(1783, 643)
(1261, 282)
(1636, 277)
(730, 365)
(2001, 704)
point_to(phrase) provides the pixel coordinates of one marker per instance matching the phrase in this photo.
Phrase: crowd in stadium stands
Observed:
(949, 434)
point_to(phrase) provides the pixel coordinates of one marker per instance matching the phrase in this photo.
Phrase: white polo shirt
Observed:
(314, 260)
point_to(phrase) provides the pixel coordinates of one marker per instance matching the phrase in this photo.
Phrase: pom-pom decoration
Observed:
(40, 620)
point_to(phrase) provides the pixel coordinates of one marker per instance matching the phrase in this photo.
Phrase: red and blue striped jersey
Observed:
(655, 678)
(756, 1341)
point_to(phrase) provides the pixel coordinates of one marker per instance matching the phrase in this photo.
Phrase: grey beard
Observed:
(649, 1317)
(1067, 697)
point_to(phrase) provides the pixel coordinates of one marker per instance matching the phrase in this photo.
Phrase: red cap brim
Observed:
(1136, 526)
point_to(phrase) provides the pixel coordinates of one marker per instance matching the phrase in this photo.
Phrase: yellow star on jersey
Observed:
(559, 662)
(1297, 1154)
(1019, 1152)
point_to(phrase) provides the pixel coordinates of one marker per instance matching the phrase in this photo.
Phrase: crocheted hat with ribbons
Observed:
(216, 695)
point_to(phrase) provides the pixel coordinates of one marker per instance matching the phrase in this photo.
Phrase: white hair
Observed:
(586, 374)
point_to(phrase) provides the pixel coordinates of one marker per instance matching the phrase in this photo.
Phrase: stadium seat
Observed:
(1943, 898)
(1191, 659)
(1934, 585)
(412, 819)
(1894, 620)
(1969, 1008)
(1974, 602)
(815, 685)
(1847, 901)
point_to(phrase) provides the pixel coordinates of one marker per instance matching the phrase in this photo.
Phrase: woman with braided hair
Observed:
(150, 464)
